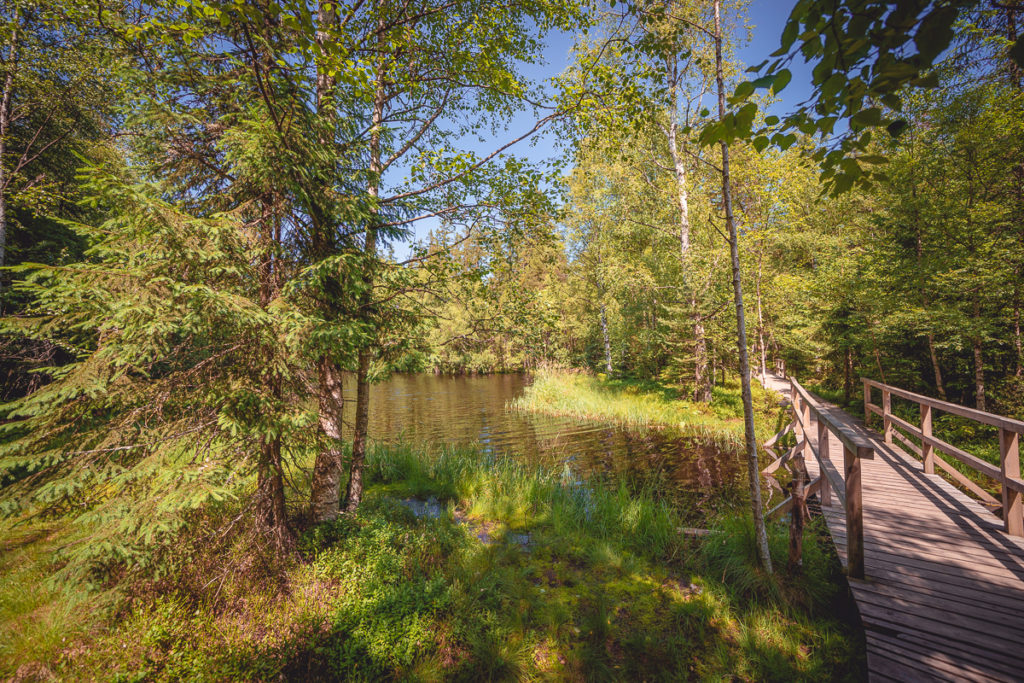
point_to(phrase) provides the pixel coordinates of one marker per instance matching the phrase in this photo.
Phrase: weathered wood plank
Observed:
(931, 659)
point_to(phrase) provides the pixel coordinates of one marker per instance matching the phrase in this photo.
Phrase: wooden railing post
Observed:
(1009, 464)
(886, 413)
(825, 492)
(927, 450)
(808, 454)
(854, 513)
(795, 401)
(867, 402)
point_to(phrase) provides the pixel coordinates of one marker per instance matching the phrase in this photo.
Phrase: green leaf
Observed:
(892, 100)
(743, 91)
(867, 117)
(782, 79)
(745, 117)
(788, 36)
(897, 127)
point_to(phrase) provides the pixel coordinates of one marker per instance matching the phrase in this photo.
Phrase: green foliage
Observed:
(606, 586)
(160, 411)
(867, 56)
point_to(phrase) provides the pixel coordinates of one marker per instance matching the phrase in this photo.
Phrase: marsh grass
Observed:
(605, 589)
(644, 403)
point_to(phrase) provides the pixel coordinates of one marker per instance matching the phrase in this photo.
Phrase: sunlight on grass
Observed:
(573, 580)
(649, 404)
(37, 619)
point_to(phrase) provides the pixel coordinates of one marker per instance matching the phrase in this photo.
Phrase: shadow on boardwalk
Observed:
(944, 593)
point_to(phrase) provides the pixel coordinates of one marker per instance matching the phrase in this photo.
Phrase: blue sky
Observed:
(766, 18)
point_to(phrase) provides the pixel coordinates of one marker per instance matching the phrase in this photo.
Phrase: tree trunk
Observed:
(926, 303)
(607, 339)
(753, 470)
(848, 374)
(5, 127)
(939, 386)
(979, 376)
(325, 486)
(760, 323)
(354, 491)
(701, 376)
(270, 500)
(1016, 328)
(701, 373)
(979, 364)
(878, 359)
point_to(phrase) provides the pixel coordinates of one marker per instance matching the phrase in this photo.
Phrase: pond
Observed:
(475, 410)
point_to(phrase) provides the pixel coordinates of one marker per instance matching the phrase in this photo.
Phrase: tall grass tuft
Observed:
(646, 404)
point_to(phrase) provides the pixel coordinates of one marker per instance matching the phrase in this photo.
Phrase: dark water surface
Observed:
(437, 410)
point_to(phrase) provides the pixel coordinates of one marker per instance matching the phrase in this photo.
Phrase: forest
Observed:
(238, 237)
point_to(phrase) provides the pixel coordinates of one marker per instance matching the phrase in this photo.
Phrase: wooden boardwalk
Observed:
(943, 597)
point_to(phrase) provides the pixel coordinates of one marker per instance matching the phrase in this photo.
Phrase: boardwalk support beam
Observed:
(823, 450)
(927, 450)
(1013, 504)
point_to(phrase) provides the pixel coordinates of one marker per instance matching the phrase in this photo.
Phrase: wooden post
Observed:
(886, 413)
(927, 450)
(795, 402)
(1009, 464)
(806, 450)
(797, 514)
(854, 515)
(825, 492)
(867, 402)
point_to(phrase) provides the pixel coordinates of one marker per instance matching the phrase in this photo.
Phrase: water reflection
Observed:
(437, 410)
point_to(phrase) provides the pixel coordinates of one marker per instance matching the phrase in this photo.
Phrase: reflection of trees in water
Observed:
(436, 410)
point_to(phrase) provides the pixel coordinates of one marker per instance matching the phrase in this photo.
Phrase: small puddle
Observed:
(484, 531)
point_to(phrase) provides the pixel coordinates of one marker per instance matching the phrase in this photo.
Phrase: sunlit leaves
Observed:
(863, 52)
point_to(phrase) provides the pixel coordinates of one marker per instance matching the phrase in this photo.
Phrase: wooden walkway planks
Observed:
(944, 593)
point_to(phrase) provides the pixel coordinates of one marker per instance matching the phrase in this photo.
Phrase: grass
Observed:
(605, 589)
(646, 403)
(37, 618)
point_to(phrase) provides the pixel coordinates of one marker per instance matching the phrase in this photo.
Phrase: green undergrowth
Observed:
(573, 583)
(646, 403)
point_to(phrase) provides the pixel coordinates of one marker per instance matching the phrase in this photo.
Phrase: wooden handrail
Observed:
(846, 488)
(1007, 473)
(953, 408)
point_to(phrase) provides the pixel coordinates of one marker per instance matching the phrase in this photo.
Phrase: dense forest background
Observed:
(913, 280)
